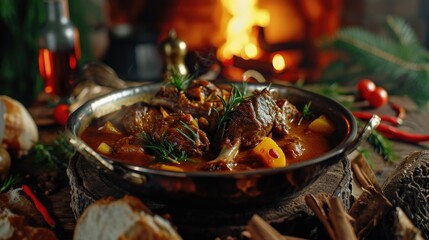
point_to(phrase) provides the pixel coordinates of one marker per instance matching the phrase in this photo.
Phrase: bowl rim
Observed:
(340, 150)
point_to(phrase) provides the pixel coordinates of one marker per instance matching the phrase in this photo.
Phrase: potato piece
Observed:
(104, 148)
(108, 127)
(322, 125)
(170, 168)
(270, 153)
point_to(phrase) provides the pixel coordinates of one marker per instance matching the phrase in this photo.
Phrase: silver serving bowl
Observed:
(217, 188)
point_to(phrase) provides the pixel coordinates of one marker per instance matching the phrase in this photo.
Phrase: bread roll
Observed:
(125, 219)
(19, 219)
(18, 131)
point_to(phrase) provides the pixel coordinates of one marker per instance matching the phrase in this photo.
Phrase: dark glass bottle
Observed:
(59, 49)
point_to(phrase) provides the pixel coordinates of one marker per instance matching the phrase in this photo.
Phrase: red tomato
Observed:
(61, 113)
(365, 88)
(379, 97)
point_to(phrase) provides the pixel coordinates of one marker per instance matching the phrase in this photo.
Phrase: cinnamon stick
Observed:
(335, 219)
(371, 206)
(259, 229)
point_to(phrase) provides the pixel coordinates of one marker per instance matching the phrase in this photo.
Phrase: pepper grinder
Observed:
(173, 50)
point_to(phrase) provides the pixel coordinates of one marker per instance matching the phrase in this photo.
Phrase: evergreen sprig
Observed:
(235, 99)
(399, 59)
(53, 155)
(382, 146)
(179, 81)
(9, 182)
(163, 150)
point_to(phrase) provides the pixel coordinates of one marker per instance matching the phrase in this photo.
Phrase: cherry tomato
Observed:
(365, 88)
(379, 97)
(61, 113)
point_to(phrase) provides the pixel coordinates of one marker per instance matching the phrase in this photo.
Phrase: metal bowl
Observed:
(212, 188)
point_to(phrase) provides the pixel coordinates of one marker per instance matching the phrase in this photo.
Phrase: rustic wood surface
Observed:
(58, 203)
(88, 185)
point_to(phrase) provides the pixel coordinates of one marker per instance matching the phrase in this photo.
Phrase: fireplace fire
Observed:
(275, 37)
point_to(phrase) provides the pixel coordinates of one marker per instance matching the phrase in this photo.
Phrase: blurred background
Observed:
(282, 39)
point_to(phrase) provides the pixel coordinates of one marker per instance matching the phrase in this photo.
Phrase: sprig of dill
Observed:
(178, 80)
(237, 96)
(9, 182)
(163, 150)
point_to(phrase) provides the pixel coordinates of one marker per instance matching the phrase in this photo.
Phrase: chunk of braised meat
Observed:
(203, 91)
(198, 101)
(255, 118)
(292, 146)
(129, 145)
(138, 118)
(250, 122)
(182, 132)
(287, 114)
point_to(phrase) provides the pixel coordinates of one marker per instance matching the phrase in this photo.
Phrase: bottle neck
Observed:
(57, 10)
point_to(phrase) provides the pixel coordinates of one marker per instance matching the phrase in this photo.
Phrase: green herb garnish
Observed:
(9, 182)
(194, 138)
(55, 154)
(382, 146)
(237, 96)
(178, 80)
(163, 150)
(306, 113)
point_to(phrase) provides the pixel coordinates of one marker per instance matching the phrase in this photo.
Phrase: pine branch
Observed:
(400, 60)
(400, 31)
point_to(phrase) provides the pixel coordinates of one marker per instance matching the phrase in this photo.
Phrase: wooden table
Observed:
(58, 203)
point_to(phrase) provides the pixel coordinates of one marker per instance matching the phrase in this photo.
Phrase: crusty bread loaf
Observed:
(18, 131)
(123, 219)
(19, 219)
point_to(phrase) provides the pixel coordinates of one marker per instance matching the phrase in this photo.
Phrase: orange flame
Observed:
(279, 62)
(239, 40)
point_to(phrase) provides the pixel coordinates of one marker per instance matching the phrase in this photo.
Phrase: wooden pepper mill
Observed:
(173, 50)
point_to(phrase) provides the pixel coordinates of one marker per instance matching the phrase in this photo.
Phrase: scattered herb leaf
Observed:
(53, 155)
(9, 182)
(382, 146)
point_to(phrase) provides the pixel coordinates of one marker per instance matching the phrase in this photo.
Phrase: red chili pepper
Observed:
(40, 207)
(386, 118)
(273, 153)
(397, 134)
(400, 111)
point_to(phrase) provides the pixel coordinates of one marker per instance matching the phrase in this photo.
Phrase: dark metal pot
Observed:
(217, 189)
